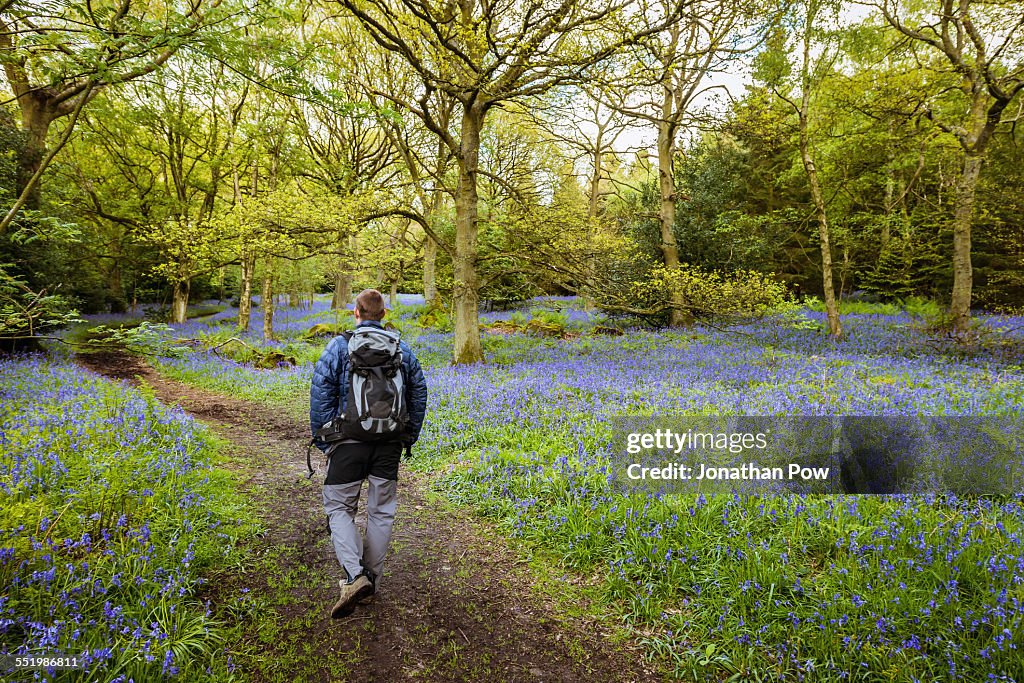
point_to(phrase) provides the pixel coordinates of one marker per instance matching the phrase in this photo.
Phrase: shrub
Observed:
(26, 313)
(548, 317)
(436, 317)
(699, 293)
(920, 306)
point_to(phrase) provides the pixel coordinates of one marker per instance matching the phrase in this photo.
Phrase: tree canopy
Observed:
(641, 154)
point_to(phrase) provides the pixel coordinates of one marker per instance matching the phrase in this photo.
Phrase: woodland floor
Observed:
(456, 603)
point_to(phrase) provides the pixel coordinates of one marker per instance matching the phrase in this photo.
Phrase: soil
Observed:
(456, 602)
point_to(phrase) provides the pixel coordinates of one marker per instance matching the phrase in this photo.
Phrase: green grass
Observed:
(915, 306)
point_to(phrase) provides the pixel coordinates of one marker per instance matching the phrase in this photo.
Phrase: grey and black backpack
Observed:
(375, 406)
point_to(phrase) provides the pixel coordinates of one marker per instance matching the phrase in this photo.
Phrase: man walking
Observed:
(367, 402)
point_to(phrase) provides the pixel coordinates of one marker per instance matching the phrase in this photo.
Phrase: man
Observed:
(352, 459)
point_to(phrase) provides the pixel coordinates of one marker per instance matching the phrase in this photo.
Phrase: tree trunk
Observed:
(844, 271)
(831, 305)
(393, 297)
(595, 179)
(268, 303)
(667, 213)
(890, 189)
(465, 297)
(960, 304)
(592, 210)
(344, 277)
(342, 290)
(179, 301)
(429, 271)
(36, 122)
(245, 291)
(828, 289)
(115, 287)
(37, 114)
(430, 247)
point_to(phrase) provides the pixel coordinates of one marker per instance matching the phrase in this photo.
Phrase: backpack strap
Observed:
(309, 465)
(324, 433)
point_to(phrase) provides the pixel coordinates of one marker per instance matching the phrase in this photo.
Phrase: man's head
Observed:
(370, 305)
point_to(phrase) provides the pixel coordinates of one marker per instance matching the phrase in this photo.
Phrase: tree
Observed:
(293, 221)
(188, 143)
(109, 188)
(347, 140)
(808, 82)
(57, 56)
(484, 54)
(672, 70)
(154, 162)
(978, 45)
(775, 67)
(427, 161)
(258, 120)
(588, 130)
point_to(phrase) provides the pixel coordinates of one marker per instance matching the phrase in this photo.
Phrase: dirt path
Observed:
(455, 604)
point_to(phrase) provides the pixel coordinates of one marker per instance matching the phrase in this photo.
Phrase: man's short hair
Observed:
(370, 305)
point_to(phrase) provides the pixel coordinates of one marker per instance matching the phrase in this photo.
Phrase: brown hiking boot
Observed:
(351, 593)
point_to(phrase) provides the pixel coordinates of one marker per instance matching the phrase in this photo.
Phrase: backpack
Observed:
(375, 405)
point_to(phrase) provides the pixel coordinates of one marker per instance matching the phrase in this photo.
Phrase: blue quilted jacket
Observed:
(329, 390)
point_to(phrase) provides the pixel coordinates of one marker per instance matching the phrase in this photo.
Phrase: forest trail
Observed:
(455, 604)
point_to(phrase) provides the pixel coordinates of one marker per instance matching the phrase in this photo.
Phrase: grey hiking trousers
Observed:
(350, 464)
